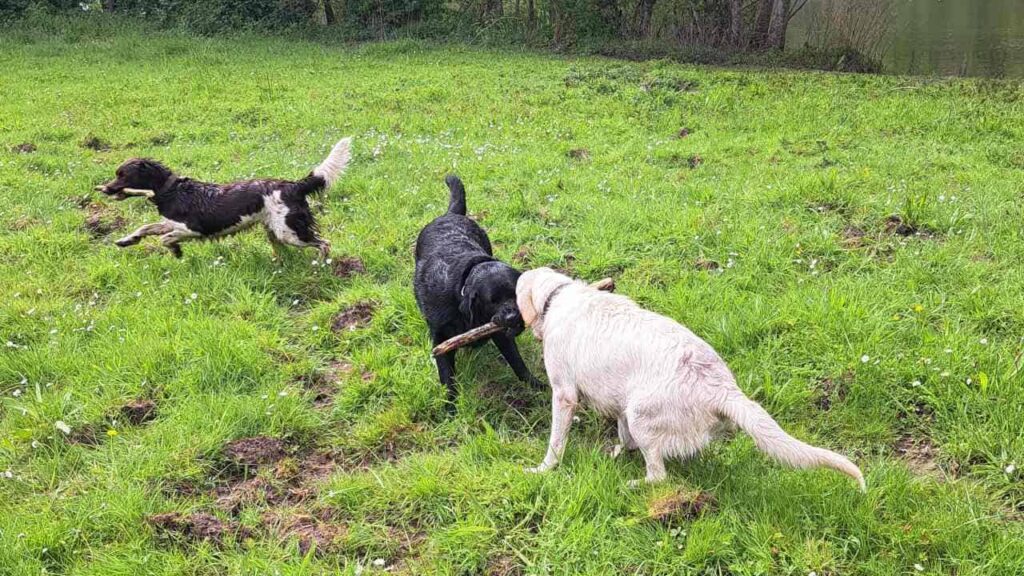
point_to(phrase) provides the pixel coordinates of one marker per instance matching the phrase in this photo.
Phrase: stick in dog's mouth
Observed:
(490, 329)
(126, 192)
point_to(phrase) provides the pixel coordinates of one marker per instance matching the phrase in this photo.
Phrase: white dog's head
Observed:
(533, 290)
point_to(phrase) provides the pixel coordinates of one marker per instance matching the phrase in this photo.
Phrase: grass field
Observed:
(850, 244)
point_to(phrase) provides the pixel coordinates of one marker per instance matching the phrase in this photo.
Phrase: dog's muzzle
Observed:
(511, 320)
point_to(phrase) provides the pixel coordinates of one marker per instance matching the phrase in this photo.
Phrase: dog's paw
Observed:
(635, 483)
(616, 450)
(537, 469)
(127, 241)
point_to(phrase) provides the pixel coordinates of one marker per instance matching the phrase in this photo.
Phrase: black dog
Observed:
(198, 210)
(459, 285)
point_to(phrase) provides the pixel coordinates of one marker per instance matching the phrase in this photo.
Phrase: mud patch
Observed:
(251, 492)
(87, 435)
(852, 237)
(504, 565)
(254, 452)
(320, 532)
(348, 267)
(680, 505)
(197, 527)
(579, 154)
(323, 384)
(24, 148)
(522, 255)
(833, 389)
(354, 317)
(99, 223)
(683, 133)
(895, 224)
(706, 265)
(918, 455)
(139, 411)
(694, 161)
(93, 142)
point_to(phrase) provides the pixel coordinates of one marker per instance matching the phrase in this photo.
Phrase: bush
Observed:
(212, 16)
(377, 16)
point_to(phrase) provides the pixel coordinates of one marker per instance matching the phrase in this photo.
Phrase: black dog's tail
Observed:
(457, 199)
(329, 170)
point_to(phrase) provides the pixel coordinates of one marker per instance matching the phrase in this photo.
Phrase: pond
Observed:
(938, 37)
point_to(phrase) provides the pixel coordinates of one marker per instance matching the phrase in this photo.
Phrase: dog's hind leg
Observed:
(143, 231)
(275, 244)
(626, 441)
(507, 346)
(655, 465)
(172, 239)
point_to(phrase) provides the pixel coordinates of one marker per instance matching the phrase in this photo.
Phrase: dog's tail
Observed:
(457, 197)
(324, 175)
(773, 440)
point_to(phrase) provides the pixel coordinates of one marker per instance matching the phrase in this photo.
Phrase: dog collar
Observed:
(168, 184)
(551, 297)
(473, 263)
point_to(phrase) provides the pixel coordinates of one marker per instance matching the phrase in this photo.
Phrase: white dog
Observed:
(670, 391)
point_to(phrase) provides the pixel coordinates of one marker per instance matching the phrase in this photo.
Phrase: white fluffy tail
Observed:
(335, 163)
(771, 439)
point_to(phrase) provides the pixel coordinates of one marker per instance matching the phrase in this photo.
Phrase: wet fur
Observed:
(192, 209)
(459, 285)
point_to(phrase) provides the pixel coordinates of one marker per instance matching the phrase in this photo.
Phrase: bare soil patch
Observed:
(706, 265)
(93, 142)
(320, 531)
(24, 148)
(680, 505)
(348, 266)
(578, 154)
(504, 565)
(254, 452)
(354, 317)
(919, 455)
(99, 222)
(196, 527)
(139, 411)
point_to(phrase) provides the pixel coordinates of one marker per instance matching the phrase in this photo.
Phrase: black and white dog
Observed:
(199, 210)
(459, 285)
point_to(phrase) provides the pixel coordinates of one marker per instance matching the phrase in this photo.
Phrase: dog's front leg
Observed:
(563, 404)
(507, 346)
(446, 373)
(143, 231)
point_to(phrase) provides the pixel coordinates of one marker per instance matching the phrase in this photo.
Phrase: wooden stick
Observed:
(130, 191)
(490, 329)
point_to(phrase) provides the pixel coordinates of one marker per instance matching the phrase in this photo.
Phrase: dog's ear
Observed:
(524, 296)
(466, 306)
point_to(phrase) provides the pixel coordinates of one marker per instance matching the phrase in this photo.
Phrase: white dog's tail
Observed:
(331, 168)
(771, 439)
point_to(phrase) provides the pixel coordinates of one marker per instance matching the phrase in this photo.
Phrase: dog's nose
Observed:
(508, 318)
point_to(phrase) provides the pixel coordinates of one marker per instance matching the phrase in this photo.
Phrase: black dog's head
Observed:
(136, 176)
(489, 295)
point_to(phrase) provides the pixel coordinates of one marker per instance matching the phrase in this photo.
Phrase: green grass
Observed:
(854, 337)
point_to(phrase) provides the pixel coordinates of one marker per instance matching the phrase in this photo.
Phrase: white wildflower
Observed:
(865, 358)
(1010, 469)
(60, 425)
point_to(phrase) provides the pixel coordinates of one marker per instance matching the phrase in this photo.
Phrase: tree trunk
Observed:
(329, 16)
(779, 23)
(610, 15)
(759, 36)
(642, 17)
(736, 23)
(531, 15)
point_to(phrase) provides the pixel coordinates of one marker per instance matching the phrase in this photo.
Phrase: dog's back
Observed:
(452, 233)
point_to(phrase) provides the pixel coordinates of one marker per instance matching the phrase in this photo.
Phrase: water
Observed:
(943, 37)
